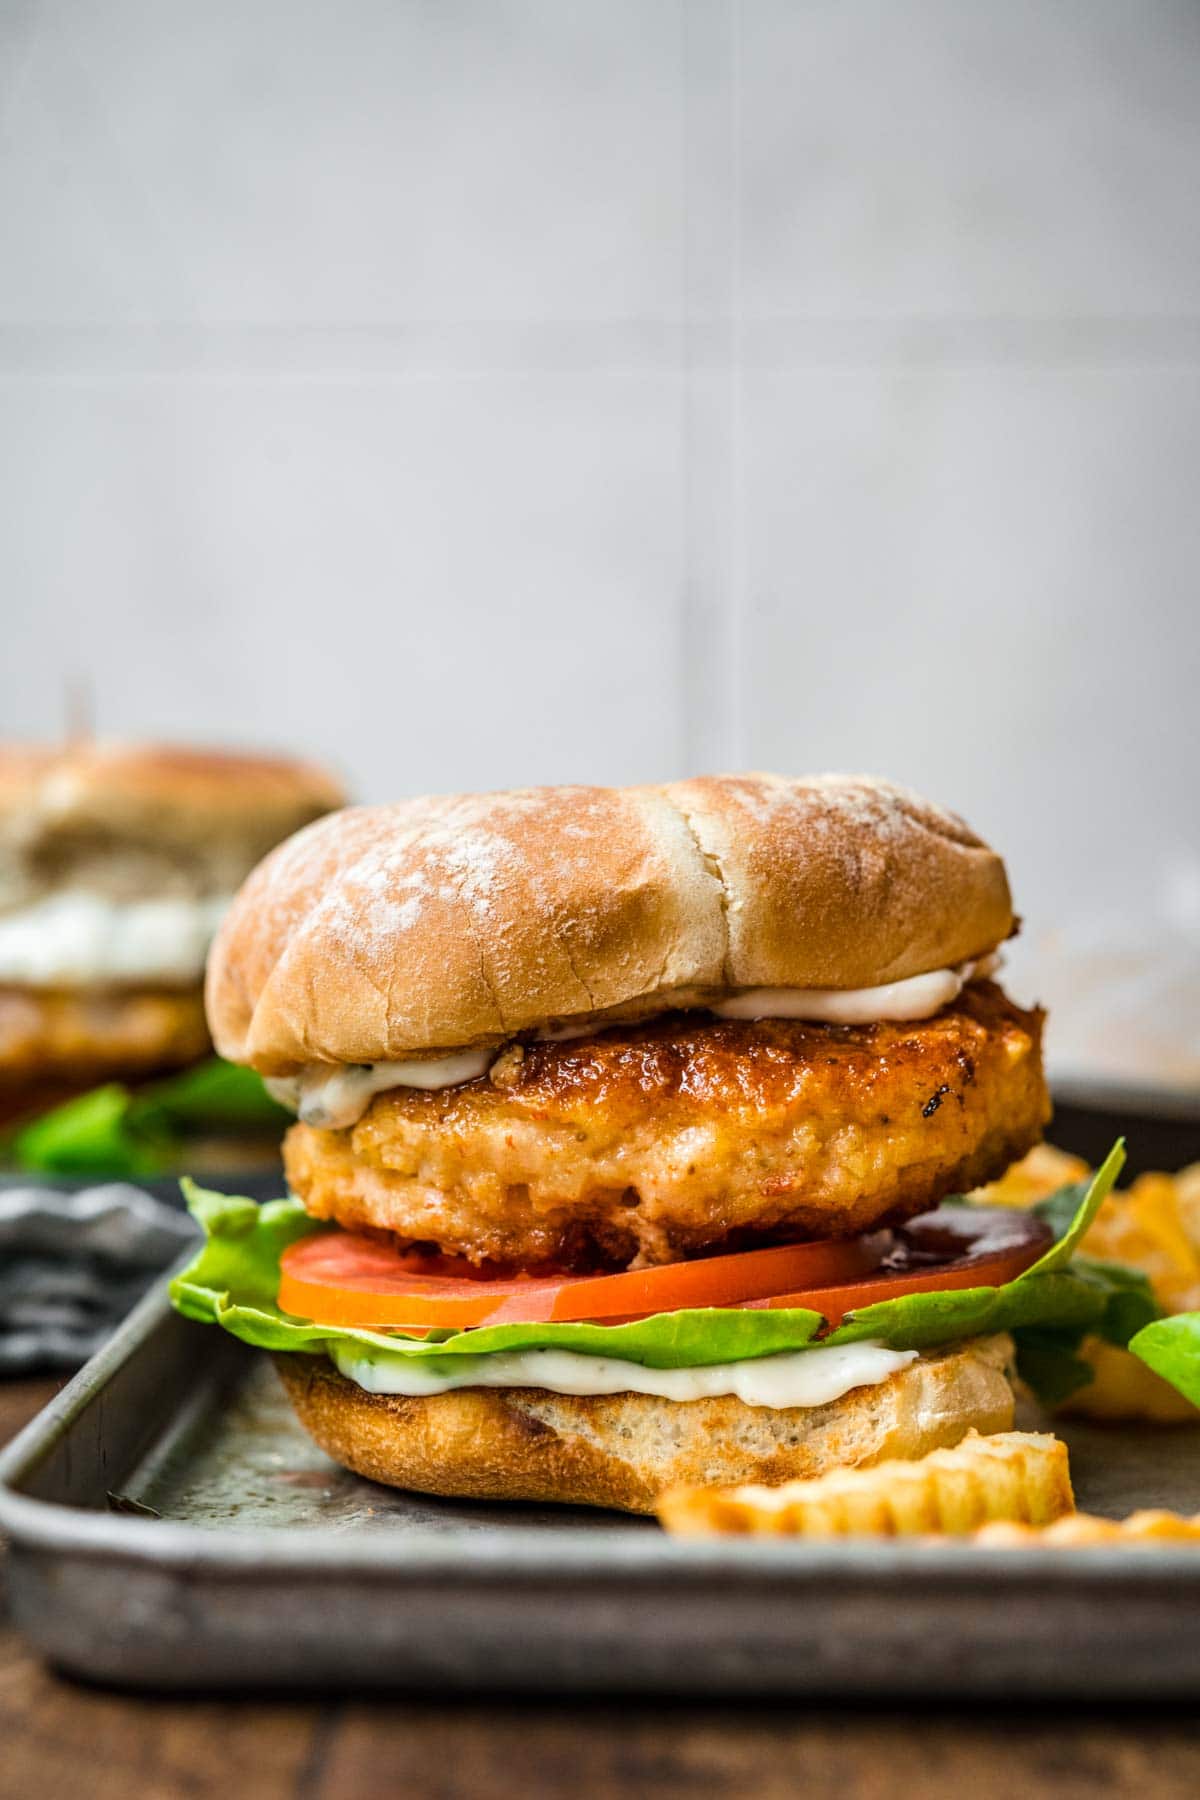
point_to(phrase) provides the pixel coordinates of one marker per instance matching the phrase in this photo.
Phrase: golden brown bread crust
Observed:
(397, 931)
(130, 820)
(624, 1450)
(81, 1038)
(690, 1135)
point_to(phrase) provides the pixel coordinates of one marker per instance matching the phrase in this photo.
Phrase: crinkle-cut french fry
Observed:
(1122, 1388)
(1187, 1193)
(1041, 1172)
(1017, 1475)
(1153, 1226)
(1078, 1530)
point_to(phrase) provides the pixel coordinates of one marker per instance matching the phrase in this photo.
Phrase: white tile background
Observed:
(497, 391)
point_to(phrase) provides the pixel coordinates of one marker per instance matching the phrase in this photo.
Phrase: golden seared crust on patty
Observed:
(85, 1037)
(624, 1450)
(682, 1137)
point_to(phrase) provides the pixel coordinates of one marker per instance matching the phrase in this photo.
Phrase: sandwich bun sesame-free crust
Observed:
(394, 932)
(133, 819)
(624, 1450)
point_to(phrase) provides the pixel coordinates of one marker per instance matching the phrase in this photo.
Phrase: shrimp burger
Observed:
(624, 1122)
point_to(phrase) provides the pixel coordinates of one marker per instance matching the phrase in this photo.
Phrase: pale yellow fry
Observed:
(1016, 1475)
(1041, 1172)
(1122, 1388)
(1078, 1530)
(1187, 1192)
(1153, 1226)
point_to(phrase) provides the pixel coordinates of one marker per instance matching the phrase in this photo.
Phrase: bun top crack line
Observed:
(401, 932)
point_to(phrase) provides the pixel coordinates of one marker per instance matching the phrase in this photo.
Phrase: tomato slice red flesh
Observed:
(341, 1278)
(835, 1302)
(953, 1248)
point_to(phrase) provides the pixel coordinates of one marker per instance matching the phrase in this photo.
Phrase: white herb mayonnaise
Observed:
(337, 1096)
(792, 1378)
(87, 940)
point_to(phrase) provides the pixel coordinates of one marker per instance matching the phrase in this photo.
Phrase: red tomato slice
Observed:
(340, 1278)
(977, 1271)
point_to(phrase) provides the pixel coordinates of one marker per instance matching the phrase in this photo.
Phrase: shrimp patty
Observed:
(85, 1037)
(689, 1135)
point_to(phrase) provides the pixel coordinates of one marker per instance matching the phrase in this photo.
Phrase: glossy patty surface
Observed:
(655, 1142)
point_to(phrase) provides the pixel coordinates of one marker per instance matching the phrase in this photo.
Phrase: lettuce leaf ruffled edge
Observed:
(233, 1279)
(1171, 1347)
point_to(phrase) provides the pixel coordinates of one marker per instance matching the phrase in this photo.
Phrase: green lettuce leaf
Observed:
(117, 1131)
(93, 1134)
(917, 1321)
(1129, 1300)
(1094, 1194)
(1049, 1363)
(1171, 1347)
(1048, 1357)
(215, 1095)
(1058, 1209)
(233, 1279)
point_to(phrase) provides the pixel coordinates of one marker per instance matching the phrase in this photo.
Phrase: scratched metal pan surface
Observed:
(172, 1528)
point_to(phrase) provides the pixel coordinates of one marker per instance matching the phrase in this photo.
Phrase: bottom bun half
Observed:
(623, 1450)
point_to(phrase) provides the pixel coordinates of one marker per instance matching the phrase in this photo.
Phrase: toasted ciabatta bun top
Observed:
(390, 932)
(139, 820)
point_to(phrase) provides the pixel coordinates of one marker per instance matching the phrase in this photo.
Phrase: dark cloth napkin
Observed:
(72, 1265)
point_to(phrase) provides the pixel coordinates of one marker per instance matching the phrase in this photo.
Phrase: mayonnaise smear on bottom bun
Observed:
(794, 1378)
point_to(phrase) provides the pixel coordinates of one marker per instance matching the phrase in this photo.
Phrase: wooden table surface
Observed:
(58, 1739)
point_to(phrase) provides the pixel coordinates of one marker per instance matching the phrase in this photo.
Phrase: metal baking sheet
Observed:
(1161, 1126)
(268, 1567)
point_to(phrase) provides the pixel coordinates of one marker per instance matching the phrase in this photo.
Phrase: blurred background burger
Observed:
(117, 864)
